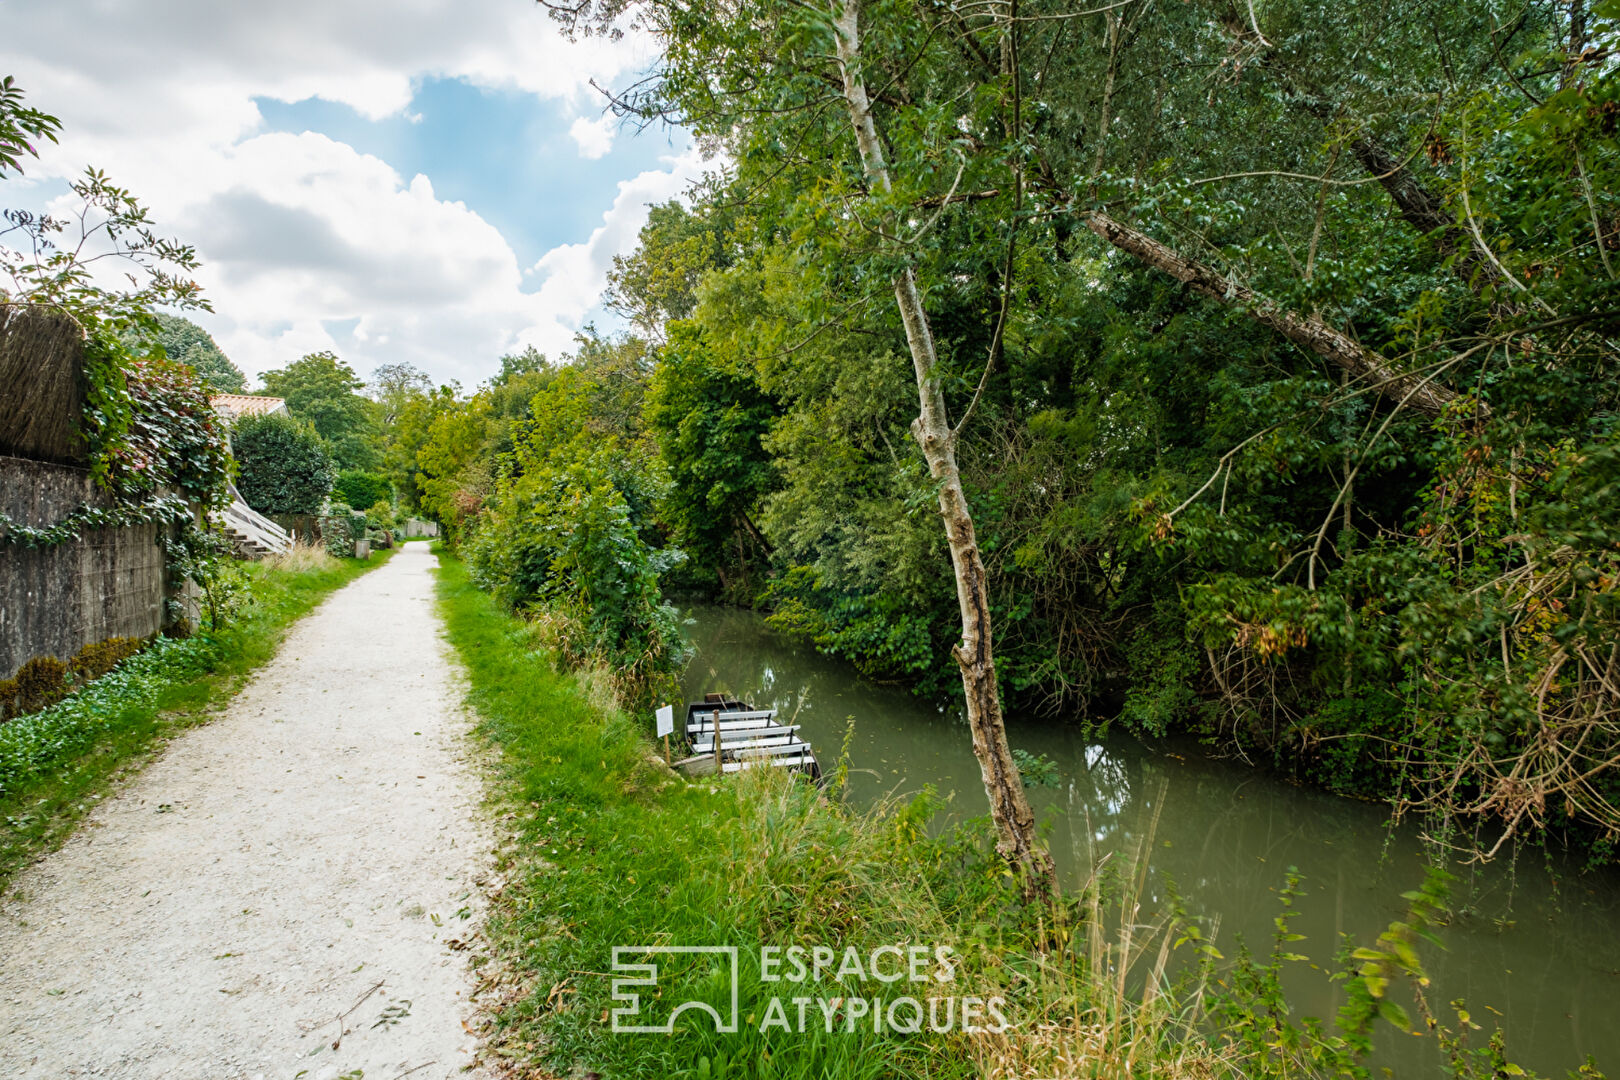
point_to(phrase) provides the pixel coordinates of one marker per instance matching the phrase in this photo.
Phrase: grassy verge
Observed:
(55, 765)
(607, 848)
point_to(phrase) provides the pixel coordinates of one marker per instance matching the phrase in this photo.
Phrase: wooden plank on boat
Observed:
(774, 751)
(781, 763)
(732, 737)
(704, 716)
(731, 725)
(752, 739)
(754, 714)
(743, 748)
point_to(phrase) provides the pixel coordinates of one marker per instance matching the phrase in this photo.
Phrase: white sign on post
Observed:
(666, 719)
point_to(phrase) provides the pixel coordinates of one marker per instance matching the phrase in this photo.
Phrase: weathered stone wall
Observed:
(107, 582)
(55, 600)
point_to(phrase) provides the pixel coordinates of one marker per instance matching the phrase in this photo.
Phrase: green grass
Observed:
(53, 773)
(609, 848)
(606, 847)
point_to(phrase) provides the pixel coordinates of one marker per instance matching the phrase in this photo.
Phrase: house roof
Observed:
(232, 405)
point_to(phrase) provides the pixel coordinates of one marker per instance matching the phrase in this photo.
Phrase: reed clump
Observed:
(300, 558)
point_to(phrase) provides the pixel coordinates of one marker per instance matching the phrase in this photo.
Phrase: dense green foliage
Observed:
(362, 490)
(1281, 340)
(324, 391)
(284, 466)
(174, 440)
(567, 533)
(708, 423)
(63, 731)
(184, 341)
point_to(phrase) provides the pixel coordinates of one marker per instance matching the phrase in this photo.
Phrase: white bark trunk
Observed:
(1017, 840)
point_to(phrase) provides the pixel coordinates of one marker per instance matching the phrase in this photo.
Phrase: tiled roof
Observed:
(246, 404)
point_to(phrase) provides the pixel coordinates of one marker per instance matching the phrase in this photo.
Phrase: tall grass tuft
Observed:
(301, 558)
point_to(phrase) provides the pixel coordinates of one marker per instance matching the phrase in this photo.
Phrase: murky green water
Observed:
(1540, 946)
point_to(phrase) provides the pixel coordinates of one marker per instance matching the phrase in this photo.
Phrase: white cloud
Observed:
(574, 275)
(306, 242)
(595, 137)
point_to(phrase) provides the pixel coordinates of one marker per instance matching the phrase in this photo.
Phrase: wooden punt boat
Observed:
(729, 736)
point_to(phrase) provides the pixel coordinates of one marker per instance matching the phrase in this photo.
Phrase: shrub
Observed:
(359, 488)
(34, 744)
(285, 468)
(380, 516)
(95, 660)
(40, 682)
(562, 547)
(341, 529)
(337, 538)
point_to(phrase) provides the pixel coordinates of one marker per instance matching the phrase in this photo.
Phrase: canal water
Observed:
(1534, 947)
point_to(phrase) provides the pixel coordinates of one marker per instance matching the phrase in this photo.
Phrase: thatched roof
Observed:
(42, 384)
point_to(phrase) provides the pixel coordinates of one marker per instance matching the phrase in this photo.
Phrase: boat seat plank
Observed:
(728, 736)
(728, 748)
(781, 763)
(797, 746)
(736, 725)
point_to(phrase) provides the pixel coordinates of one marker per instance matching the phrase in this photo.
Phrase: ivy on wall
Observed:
(155, 443)
(150, 427)
(159, 509)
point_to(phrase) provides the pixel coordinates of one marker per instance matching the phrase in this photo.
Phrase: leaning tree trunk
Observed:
(1422, 393)
(1017, 841)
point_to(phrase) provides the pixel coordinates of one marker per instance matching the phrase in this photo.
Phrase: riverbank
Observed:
(606, 848)
(1534, 941)
(61, 774)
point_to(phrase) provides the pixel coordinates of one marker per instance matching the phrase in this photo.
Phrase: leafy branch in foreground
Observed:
(53, 261)
(18, 125)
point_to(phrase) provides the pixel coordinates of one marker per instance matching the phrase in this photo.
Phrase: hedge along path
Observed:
(315, 853)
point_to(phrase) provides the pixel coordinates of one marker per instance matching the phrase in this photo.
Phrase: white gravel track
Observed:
(314, 852)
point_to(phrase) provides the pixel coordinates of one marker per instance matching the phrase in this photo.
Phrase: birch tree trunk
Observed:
(1017, 840)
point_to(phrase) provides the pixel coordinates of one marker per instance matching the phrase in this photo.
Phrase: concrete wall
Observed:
(108, 582)
(55, 600)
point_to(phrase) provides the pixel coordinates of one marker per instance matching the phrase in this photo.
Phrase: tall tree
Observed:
(1009, 807)
(323, 390)
(392, 385)
(716, 77)
(185, 341)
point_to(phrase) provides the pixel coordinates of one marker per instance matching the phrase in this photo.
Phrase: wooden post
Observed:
(718, 763)
(666, 749)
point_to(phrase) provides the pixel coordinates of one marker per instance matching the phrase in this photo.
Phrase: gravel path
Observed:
(312, 853)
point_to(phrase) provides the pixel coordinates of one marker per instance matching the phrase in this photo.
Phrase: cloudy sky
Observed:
(422, 180)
